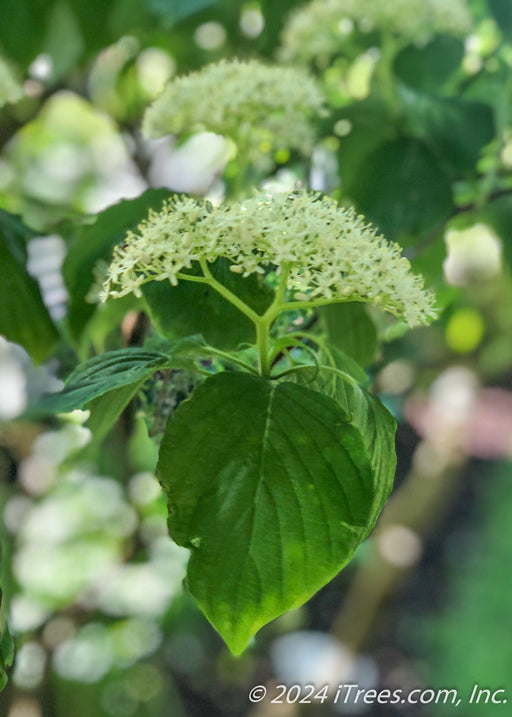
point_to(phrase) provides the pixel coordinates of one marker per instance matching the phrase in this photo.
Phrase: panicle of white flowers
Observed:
(330, 253)
(10, 89)
(252, 103)
(320, 28)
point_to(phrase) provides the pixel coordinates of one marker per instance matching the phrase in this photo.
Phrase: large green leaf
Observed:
(272, 490)
(95, 242)
(402, 188)
(192, 308)
(350, 328)
(24, 318)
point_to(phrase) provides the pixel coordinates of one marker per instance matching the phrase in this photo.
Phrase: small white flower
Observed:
(319, 29)
(258, 106)
(330, 253)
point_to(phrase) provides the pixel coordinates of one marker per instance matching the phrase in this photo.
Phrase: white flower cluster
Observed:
(331, 253)
(10, 89)
(252, 103)
(320, 28)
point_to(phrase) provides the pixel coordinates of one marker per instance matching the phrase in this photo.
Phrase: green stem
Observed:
(263, 323)
(227, 294)
(316, 340)
(262, 335)
(192, 277)
(229, 357)
(283, 282)
(299, 305)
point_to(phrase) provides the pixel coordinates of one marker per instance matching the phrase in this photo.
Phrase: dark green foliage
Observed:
(430, 68)
(24, 318)
(271, 488)
(272, 482)
(456, 130)
(6, 656)
(402, 188)
(502, 11)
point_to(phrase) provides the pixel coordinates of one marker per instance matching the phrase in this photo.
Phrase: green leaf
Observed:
(375, 423)
(350, 328)
(428, 68)
(271, 489)
(99, 375)
(15, 235)
(6, 656)
(24, 318)
(378, 428)
(95, 242)
(192, 308)
(502, 11)
(402, 188)
(276, 14)
(347, 364)
(20, 32)
(106, 409)
(95, 20)
(455, 129)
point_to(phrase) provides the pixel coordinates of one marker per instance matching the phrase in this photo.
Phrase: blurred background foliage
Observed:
(419, 137)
